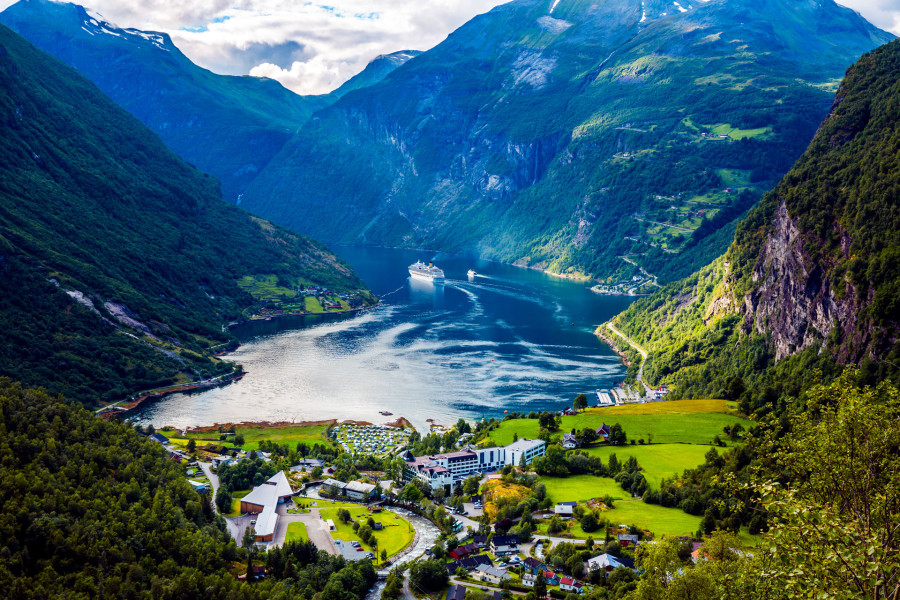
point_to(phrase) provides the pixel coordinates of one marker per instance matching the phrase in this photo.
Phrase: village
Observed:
(544, 503)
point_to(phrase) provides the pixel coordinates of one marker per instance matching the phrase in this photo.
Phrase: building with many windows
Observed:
(452, 467)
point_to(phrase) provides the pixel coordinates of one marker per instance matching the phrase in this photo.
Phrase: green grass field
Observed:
(657, 461)
(658, 519)
(676, 422)
(396, 535)
(296, 532)
(236, 503)
(291, 434)
(265, 288)
(739, 134)
(573, 528)
(581, 487)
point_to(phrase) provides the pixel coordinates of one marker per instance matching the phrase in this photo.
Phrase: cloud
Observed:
(881, 13)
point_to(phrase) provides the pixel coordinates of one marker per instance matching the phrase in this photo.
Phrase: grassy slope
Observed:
(290, 435)
(92, 200)
(690, 422)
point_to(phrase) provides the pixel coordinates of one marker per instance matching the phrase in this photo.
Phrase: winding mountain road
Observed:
(643, 353)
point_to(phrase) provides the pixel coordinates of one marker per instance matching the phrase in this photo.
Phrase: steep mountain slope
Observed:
(567, 134)
(227, 126)
(812, 279)
(118, 262)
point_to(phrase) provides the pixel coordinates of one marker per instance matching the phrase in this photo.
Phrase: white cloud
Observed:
(310, 46)
(881, 13)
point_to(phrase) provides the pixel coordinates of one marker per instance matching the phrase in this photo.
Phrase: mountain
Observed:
(227, 126)
(811, 281)
(379, 68)
(567, 134)
(119, 263)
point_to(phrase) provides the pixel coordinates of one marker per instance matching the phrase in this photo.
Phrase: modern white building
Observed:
(530, 448)
(452, 467)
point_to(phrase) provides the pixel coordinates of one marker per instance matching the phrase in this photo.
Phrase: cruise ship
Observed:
(420, 270)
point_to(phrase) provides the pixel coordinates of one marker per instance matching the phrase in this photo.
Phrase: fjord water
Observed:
(510, 339)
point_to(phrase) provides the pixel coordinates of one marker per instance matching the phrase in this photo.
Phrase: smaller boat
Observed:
(471, 274)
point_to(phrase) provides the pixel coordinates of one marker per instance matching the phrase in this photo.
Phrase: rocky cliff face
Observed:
(794, 301)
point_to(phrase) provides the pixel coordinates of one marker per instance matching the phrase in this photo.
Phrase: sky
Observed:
(312, 47)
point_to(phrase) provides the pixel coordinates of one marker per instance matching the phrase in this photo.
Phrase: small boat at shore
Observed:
(471, 274)
(385, 413)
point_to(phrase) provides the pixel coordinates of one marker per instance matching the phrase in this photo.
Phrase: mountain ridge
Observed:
(536, 139)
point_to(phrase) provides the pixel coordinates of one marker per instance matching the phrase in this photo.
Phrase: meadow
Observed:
(393, 538)
(254, 434)
(676, 422)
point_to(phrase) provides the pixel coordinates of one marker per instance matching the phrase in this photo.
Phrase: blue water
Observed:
(511, 339)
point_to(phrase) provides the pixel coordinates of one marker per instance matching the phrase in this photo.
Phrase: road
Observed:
(643, 353)
(479, 585)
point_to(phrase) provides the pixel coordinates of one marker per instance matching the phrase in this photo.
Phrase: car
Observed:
(358, 549)
(253, 522)
(483, 589)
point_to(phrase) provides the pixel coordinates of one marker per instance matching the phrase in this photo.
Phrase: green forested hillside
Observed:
(573, 135)
(120, 262)
(90, 509)
(812, 279)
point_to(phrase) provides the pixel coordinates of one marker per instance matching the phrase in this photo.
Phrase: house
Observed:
(490, 574)
(378, 526)
(607, 563)
(550, 577)
(456, 592)
(627, 540)
(504, 544)
(528, 579)
(463, 551)
(603, 433)
(159, 438)
(306, 465)
(567, 584)
(481, 540)
(533, 565)
(570, 442)
(357, 490)
(200, 488)
(469, 563)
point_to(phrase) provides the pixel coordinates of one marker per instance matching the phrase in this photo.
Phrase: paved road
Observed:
(643, 353)
(213, 479)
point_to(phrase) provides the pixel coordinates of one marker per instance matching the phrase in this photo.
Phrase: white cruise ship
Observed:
(420, 270)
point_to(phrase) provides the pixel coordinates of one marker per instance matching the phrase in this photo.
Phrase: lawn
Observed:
(265, 288)
(658, 519)
(573, 529)
(679, 421)
(396, 535)
(578, 488)
(288, 434)
(739, 134)
(296, 532)
(658, 461)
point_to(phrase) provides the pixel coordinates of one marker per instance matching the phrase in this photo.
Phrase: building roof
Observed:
(266, 521)
(532, 562)
(262, 495)
(603, 561)
(335, 483)
(456, 592)
(627, 537)
(569, 581)
(564, 509)
(158, 437)
(360, 487)
(491, 570)
(524, 445)
(505, 540)
(529, 577)
(282, 487)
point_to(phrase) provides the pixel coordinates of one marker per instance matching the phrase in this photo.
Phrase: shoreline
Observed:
(123, 407)
(286, 424)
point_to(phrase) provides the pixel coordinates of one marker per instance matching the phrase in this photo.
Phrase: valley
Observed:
(651, 353)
